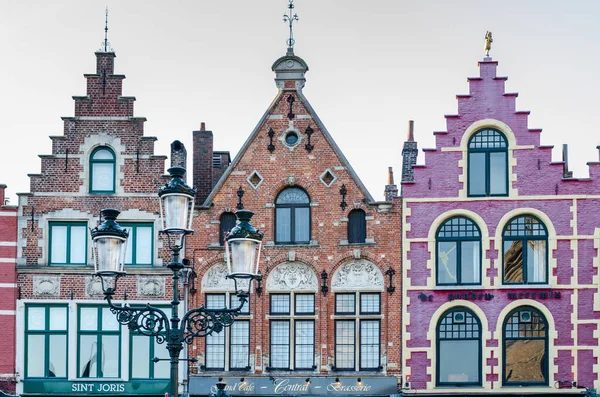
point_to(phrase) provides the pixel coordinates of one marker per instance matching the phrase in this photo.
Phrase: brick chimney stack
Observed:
(178, 155)
(409, 154)
(391, 189)
(203, 154)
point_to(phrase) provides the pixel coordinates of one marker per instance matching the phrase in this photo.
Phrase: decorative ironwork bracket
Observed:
(291, 100)
(309, 131)
(390, 273)
(271, 134)
(240, 194)
(343, 192)
(324, 287)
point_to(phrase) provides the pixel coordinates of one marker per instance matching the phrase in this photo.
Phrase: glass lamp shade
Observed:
(242, 247)
(109, 245)
(109, 255)
(176, 213)
(242, 257)
(176, 203)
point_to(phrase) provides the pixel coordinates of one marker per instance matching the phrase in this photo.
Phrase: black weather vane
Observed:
(290, 19)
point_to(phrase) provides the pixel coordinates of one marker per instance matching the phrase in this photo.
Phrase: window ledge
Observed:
(345, 243)
(461, 287)
(525, 286)
(272, 244)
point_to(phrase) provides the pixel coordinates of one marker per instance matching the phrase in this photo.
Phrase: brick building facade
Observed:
(501, 256)
(8, 292)
(68, 342)
(324, 318)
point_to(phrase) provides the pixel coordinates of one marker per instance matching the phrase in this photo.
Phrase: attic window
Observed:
(328, 178)
(255, 179)
(216, 161)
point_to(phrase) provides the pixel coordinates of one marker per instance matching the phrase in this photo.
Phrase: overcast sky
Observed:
(373, 66)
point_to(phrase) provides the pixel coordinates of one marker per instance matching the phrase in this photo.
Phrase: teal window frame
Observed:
(46, 333)
(539, 233)
(99, 333)
(487, 147)
(133, 226)
(462, 231)
(151, 353)
(93, 161)
(69, 225)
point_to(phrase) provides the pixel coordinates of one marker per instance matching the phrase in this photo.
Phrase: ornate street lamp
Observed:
(177, 205)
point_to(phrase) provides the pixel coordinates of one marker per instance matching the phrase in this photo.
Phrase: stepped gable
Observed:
(103, 117)
(533, 172)
(291, 111)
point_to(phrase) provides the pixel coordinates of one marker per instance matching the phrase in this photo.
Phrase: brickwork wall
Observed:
(536, 187)
(8, 292)
(287, 167)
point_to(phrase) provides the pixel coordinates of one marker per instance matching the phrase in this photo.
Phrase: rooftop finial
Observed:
(488, 43)
(290, 19)
(105, 44)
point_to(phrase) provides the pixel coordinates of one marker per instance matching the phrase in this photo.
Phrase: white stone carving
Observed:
(214, 280)
(153, 287)
(93, 287)
(46, 286)
(358, 275)
(292, 276)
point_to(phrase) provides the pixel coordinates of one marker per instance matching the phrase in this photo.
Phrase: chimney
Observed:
(2, 194)
(203, 154)
(409, 154)
(565, 158)
(178, 155)
(391, 189)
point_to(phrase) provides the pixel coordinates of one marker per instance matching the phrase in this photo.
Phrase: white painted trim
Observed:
(8, 213)
(8, 312)
(8, 244)
(8, 260)
(8, 285)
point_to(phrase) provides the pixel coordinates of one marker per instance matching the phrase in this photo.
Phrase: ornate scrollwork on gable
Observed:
(214, 280)
(358, 275)
(292, 276)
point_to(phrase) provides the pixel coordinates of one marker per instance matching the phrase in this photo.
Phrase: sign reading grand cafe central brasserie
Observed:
(329, 386)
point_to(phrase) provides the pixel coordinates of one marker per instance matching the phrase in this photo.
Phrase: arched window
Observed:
(488, 163)
(458, 252)
(292, 217)
(226, 223)
(459, 348)
(102, 171)
(525, 348)
(525, 242)
(357, 227)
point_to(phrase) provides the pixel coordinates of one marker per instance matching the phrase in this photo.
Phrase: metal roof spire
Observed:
(290, 19)
(105, 44)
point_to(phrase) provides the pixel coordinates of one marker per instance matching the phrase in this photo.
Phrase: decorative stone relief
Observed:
(153, 287)
(93, 287)
(46, 286)
(214, 280)
(292, 276)
(358, 275)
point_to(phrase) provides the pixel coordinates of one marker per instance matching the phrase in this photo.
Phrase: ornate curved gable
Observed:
(358, 275)
(292, 277)
(214, 280)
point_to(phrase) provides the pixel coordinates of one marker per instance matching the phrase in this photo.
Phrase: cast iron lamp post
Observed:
(242, 247)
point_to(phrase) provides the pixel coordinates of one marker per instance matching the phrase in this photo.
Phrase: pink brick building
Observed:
(500, 259)
(8, 291)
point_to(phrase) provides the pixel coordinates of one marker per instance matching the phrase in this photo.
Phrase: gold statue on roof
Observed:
(488, 43)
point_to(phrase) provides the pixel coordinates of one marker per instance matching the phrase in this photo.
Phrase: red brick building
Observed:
(8, 291)
(326, 316)
(68, 342)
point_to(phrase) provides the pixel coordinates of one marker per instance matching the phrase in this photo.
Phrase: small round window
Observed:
(291, 138)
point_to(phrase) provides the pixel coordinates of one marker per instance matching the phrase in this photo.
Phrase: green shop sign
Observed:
(88, 387)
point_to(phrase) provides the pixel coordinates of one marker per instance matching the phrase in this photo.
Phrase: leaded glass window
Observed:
(488, 163)
(458, 252)
(525, 348)
(102, 171)
(459, 348)
(292, 217)
(525, 242)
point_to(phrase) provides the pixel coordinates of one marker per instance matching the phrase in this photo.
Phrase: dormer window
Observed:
(488, 164)
(102, 171)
